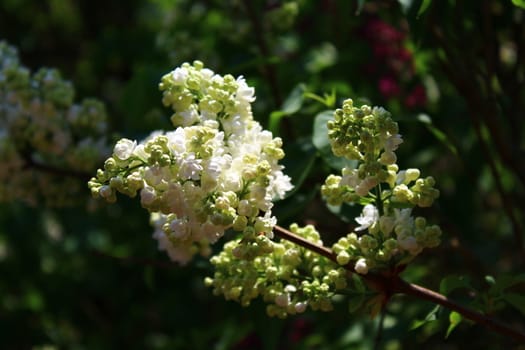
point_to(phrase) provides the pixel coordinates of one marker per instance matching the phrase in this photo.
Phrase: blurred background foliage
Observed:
(90, 277)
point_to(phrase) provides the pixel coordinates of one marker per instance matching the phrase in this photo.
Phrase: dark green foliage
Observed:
(92, 279)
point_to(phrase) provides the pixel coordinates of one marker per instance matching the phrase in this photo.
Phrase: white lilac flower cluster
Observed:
(217, 170)
(43, 135)
(388, 234)
(289, 278)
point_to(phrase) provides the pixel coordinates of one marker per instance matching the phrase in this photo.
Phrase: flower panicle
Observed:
(387, 234)
(217, 170)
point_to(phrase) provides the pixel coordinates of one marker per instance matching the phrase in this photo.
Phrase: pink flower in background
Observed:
(388, 87)
(416, 98)
(392, 64)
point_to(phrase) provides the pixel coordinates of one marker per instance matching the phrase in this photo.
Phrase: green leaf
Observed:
(328, 100)
(405, 5)
(355, 302)
(424, 6)
(519, 3)
(490, 280)
(506, 281)
(291, 105)
(322, 143)
(438, 134)
(451, 283)
(430, 317)
(455, 319)
(516, 300)
(358, 283)
(360, 4)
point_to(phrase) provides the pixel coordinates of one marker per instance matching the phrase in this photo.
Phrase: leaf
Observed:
(430, 317)
(516, 300)
(375, 305)
(455, 319)
(328, 100)
(355, 302)
(358, 283)
(322, 143)
(424, 6)
(360, 4)
(438, 134)
(291, 105)
(490, 280)
(405, 5)
(451, 283)
(519, 3)
(504, 282)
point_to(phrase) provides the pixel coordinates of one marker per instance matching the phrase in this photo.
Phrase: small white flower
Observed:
(409, 244)
(368, 217)
(280, 184)
(388, 158)
(282, 300)
(365, 186)
(189, 116)
(179, 75)
(190, 167)
(206, 73)
(147, 195)
(393, 142)
(244, 92)
(361, 267)
(177, 141)
(404, 218)
(386, 224)
(350, 178)
(124, 149)
(179, 228)
(105, 191)
(300, 307)
(290, 288)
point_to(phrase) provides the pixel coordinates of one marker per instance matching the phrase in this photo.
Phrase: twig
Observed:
(393, 284)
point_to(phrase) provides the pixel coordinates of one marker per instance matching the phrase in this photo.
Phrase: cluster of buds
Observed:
(44, 134)
(289, 278)
(390, 234)
(217, 170)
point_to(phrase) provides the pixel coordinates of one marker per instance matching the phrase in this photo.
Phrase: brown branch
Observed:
(292, 237)
(393, 284)
(419, 292)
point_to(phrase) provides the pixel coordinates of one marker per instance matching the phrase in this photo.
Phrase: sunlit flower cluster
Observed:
(289, 278)
(217, 170)
(45, 139)
(387, 234)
